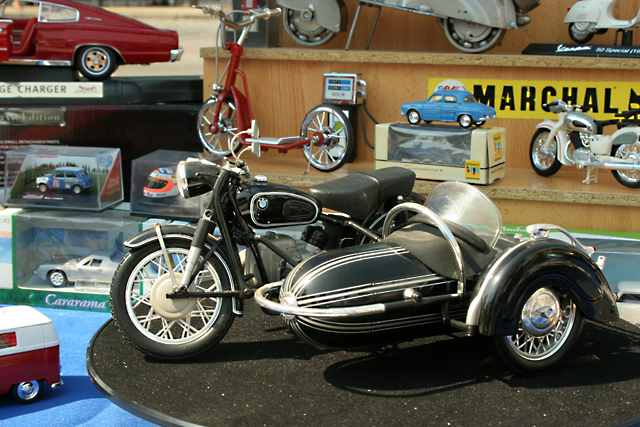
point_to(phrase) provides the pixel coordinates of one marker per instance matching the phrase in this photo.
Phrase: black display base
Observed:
(261, 375)
(604, 51)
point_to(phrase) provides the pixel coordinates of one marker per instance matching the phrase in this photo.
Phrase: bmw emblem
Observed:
(263, 203)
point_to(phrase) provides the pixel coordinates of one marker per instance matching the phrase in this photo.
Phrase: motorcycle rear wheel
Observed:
(545, 164)
(629, 179)
(169, 328)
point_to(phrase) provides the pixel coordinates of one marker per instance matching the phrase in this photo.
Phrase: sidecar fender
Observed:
(518, 272)
(331, 14)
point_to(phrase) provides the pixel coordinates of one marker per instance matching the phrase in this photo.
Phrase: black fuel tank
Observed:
(265, 205)
(363, 275)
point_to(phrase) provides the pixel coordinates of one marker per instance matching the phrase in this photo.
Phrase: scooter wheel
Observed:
(545, 163)
(339, 142)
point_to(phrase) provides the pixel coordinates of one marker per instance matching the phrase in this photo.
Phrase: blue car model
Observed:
(449, 106)
(65, 178)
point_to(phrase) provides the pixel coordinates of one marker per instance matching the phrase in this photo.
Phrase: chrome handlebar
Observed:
(254, 15)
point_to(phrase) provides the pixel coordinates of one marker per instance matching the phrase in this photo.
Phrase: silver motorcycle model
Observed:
(472, 26)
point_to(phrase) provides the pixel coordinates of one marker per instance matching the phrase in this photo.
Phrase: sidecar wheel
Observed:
(471, 37)
(339, 143)
(304, 29)
(628, 152)
(579, 32)
(544, 163)
(218, 143)
(549, 326)
(169, 328)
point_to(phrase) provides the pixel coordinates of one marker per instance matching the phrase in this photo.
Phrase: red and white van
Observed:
(29, 353)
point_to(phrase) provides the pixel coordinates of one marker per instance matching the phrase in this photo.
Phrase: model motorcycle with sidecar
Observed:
(369, 276)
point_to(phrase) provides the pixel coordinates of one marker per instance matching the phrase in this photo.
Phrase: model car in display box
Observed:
(90, 39)
(29, 353)
(96, 268)
(70, 178)
(449, 106)
(88, 178)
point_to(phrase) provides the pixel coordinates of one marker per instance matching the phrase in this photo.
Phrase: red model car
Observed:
(90, 39)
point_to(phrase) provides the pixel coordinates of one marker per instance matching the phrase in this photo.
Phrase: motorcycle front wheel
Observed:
(628, 152)
(545, 163)
(549, 326)
(581, 32)
(304, 29)
(339, 141)
(471, 37)
(169, 328)
(218, 142)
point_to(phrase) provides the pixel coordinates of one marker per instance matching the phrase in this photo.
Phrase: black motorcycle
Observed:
(390, 268)
(178, 289)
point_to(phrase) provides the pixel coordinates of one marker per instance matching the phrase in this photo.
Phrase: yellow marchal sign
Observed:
(524, 99)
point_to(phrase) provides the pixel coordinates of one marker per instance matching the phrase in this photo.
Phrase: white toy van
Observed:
(29, 353)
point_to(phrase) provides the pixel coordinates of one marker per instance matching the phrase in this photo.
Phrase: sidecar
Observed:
(449, 267)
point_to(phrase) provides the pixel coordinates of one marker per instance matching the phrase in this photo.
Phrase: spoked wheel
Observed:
(57, 278)
(170, 328)
(544, 162)
(96, 62)
(217, 142)
(303, 28)
(628, 153)
(471, 37)
(339, 143)
(581, 32)
(550, 324)
(27, 392)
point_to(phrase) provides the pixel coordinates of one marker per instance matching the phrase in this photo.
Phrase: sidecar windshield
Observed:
(467, 206)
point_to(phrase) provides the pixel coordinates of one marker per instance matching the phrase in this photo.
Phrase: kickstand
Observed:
(308, 165)
(592, 175)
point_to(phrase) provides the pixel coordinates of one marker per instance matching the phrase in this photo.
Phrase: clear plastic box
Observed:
(61, 177)
(154, 192)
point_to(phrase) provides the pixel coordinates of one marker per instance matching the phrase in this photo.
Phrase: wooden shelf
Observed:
(429, 58)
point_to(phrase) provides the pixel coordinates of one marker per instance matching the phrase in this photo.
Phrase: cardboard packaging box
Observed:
(443, 152)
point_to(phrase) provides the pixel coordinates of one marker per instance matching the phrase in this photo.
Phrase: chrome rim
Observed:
(57, 278)
(303, 28)
(629, 153)
(96, 60)
(28, 390)
(465, 120)
(171, 321)
(333, 128)
(581, 30)
(472, 37)
(545, 324)
(218, 143)
(543, 159)
(414, 117)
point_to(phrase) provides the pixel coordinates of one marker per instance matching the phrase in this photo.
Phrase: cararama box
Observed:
(60, 177)
(63, 259)
(154, 190)
(443, 152)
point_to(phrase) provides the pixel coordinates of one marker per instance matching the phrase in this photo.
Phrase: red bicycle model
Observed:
(225, 120)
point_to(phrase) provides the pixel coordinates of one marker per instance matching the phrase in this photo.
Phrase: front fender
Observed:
(545, 124)
(583, 11)
(515, 275)
(169, 231)
(331, 14)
